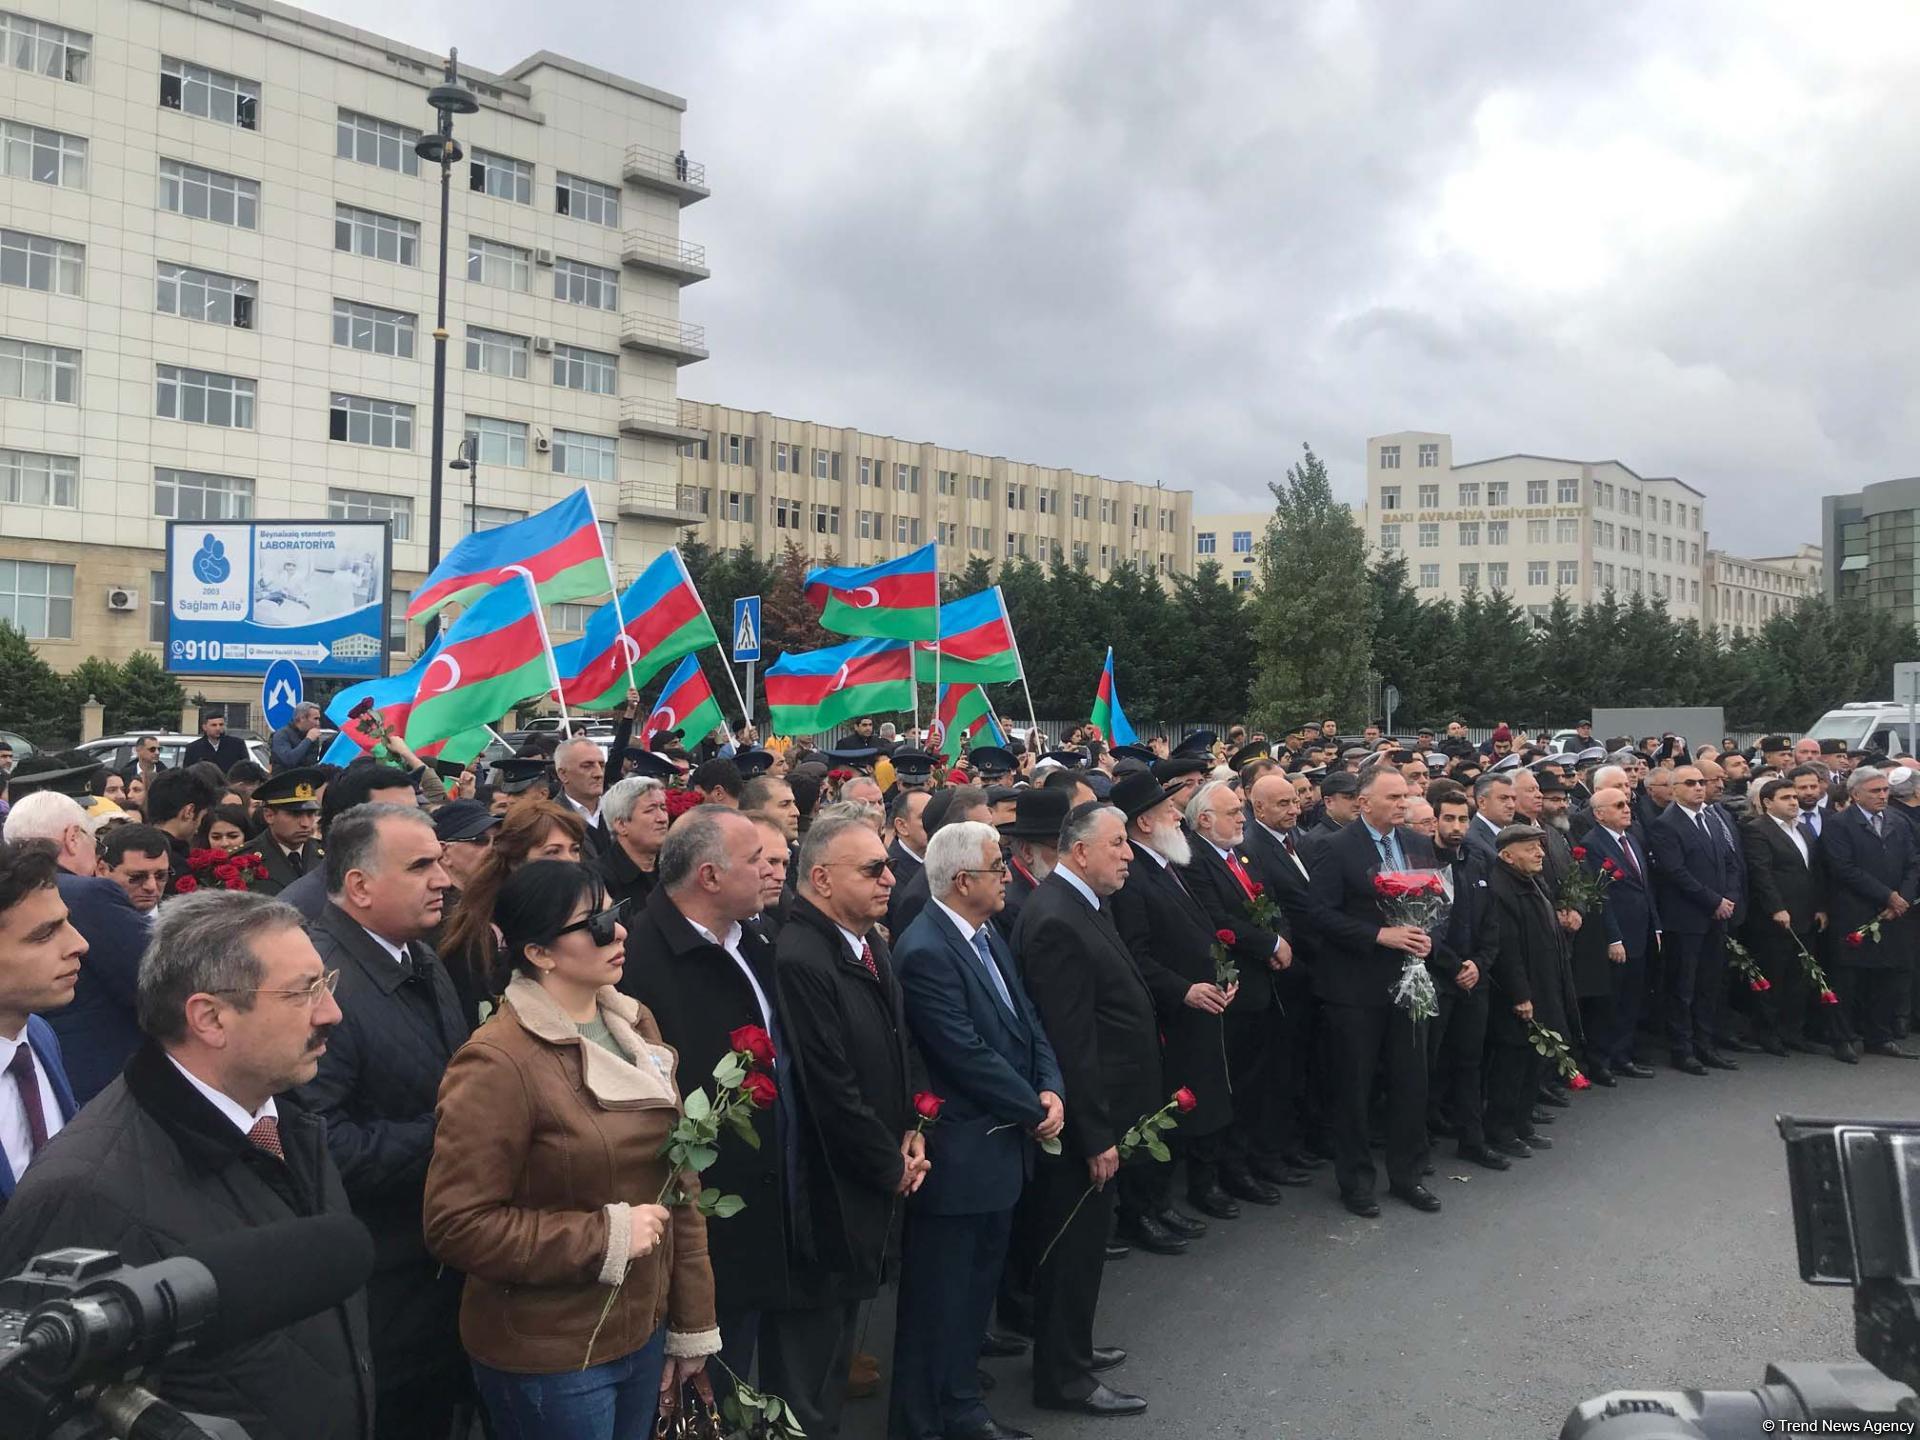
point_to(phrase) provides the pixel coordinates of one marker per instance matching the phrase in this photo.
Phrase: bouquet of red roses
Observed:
(1742, 962)
(1418, 898)
(217, 870)
(1582, 889)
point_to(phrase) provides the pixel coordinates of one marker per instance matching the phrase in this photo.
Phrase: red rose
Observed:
(186, 885)
(1183, 1100)
(928, 1105)
(1258, 889)
(1383, 885)
(362, 708)
(199, 859)
(1435, 886)
(1856, 938)
(1579, 852)
(1756, 986)
(760, 1089)
(259, 869)
(1579, 1082)
(754, 1041)
(1827, 997)
(1607, 867)
(1225, 937)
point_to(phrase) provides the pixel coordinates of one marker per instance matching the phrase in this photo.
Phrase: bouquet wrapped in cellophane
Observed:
(1419, 898)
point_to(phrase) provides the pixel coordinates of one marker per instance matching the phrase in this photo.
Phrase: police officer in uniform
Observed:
(290, 803)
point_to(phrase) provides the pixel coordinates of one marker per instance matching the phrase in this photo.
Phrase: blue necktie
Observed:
(1390, 855)
(984, 949)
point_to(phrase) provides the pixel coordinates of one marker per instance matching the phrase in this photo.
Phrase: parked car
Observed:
(116, 751)
(1866, 725)
(22, 747)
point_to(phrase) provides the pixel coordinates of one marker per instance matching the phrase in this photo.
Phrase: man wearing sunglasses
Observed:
(1697, 889)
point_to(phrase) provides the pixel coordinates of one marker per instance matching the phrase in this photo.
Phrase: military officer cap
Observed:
(1247, 754)
(913, 764)
(1200, 742)
(43, 771)
(518, 775)
(1509, 762)
(1340, 782)
(1072, 759)
(758, 762)
(1833, 747)
(1515, 834)
(1133, 752)
(1436, 761)
(294, 791)
(649, 765)
(1592, 755)
(1769, 744)
(987, 761)
(859, 757)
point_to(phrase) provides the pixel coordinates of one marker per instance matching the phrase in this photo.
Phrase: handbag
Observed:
(691, 1419)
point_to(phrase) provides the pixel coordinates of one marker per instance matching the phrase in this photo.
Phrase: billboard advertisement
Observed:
(242, 594)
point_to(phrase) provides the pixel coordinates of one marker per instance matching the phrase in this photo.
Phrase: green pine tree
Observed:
(34, 701)
(149, 698)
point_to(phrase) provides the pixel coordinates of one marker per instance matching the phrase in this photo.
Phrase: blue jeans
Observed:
(614, 1401)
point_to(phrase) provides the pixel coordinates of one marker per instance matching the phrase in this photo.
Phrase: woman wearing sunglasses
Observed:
(585, 1302)
(534, 829)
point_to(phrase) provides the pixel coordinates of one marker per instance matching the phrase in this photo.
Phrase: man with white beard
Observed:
(1172, 941)
(1032, 842)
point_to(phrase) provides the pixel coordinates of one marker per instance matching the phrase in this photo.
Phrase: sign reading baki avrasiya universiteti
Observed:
(243, 594)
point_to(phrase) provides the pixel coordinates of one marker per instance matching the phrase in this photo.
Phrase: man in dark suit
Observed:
(988, 1059)
(1361, 962)
(1694, 879)
(1493, 810)
(1873, 872)
(1457, 1044)
(376, 1089)
(41, 953)
(1629, 919)
(215, 744)
(1032, 841)
(1339, 804)
(1530, 984)
(908, 852)
(1786, 879)
(290, 803)
(581, 771)
(1099, 1014)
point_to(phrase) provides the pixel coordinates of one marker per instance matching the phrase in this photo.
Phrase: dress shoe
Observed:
(1738, 1045)
(1102, 1401)
(1550, 1096)
(1773, 1046)
(1518, 1149)
(1107, 1358)
(1689, 1065)
(1635, 1069)
(1117, 1251)
(1280, 1173)
(1418, 1196)
(1601, 1076)
(990, 1429)
(1543, 1117)
(1192, 1227)
(1365, 1206)
(1243, 1185)
(1536, 1142)
(1305, 1160)
(1484, 1155)
(1843, 1052)
(1805, 1047)
(1212, 1200)
(1149, 1234)
(997, 1346)
(1892, 1051)
(1714, 1060)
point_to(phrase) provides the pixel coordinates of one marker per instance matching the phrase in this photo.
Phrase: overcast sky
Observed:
(1174, 241)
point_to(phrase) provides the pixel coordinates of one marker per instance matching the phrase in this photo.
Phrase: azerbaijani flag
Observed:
(1108, 718)
(393, 698)
(976, 642)
(665, 620)
(963, 714)
(811, 691)
(686, 704)
(490, 660)
(560, 547)
(896, 598)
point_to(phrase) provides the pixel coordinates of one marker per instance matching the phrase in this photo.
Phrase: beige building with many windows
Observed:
(757, 480)
(1231, 539)
(217, 282)
(1532, 526)
(1743, 594)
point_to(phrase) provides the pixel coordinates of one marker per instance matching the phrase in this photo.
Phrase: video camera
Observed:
(1856, 1221)
(79, 1329)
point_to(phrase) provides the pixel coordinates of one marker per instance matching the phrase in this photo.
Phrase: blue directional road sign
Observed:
(746, 629)
(280, 692)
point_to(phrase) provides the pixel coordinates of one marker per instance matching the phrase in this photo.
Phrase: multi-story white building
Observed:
(758, 480)
(217, 288)
(1231, 539)
(1743, 594)
(1532, 526)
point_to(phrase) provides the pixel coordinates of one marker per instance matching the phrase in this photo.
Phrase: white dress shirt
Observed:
(235, 1112)
(1791, 827)
(1086, 890)
(398, 952)
(971, 933)
(16, 1137)
(730, 943)
(592, 817)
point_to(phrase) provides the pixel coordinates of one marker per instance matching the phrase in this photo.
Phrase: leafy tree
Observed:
(34, 701)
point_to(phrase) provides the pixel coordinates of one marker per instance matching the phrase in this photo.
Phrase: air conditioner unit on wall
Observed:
(119, 597)
(543, 344)
(541, 442)
(543, 257)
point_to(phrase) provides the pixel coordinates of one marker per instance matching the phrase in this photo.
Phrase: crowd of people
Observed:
(650, 1069)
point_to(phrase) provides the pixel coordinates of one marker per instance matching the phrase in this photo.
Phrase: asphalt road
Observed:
(1652, 1247)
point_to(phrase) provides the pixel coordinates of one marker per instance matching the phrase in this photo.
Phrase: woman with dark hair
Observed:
(585, 1306)
(534, 829)
(224, 828)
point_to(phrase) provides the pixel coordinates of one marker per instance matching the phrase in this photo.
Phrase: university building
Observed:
(1743, 594)
(1231, 539)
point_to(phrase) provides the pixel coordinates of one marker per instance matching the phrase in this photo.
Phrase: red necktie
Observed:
(28, 1081)
(1626, 849)
(866, 959)
(265, 1135)
(1240, 874)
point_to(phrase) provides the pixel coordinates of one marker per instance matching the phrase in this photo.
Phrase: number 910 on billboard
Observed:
(243, 594)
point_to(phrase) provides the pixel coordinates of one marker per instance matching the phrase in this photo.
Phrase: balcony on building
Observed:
(655, 500)
(665, 255)
(674, 175)
(658, 418)
(651, 335)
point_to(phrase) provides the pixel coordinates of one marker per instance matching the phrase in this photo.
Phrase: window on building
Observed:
(1429, 455)
(1242, 579)
(1693, 587)
(1693, 558)
(1429, 497)
(1389, 457)
(210, 94)
(569, 619)
(1496, 575)
(494, 352)
(695, 500)
(490, 517)
(1203, 542)
(1536, 492)
(157, 607)
(1470, 576)
(1109, 511)
(740, 506)
(578, 283)
(1429, 577)
(906, 477)
(368, 141)
(397, 638)
(979, 538)
(497, 442)
(864, 471)
(1496, 532)
(1666, 548)
(1469, 532)
(1082, 506)
(1666, 512)
(37, 262)
(387, 424)
(826, 521)
(500, 176)
(1469, 492)
(826, 465)
(593, 371)
(367, 505)
(1606, 576)
(906, 529)
(1536, 572)
(39, 372)
(1497, 492)
(587, 200)
(1389, 537)
(37, 599)
(1080, 552)
(786, 513)
(1429, 535)
(786, 458)
(30, 478)
(376, 236)
(1569, 573)
(203, 194)
(1566, 532)
(202, 397)
(195, 495)
(205, 296)
(47, 157)
(1389, 497)
(1047, 502)
(1537, 531)
(1243, 542)
(1567, 490)
(585, 457)
(43, 49)
(1106, 557)
(505, 267)
(375, 330)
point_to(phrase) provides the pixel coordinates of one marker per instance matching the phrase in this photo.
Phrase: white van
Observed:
(1867, 725)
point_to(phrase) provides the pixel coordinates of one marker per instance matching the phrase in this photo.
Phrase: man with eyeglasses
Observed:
(201, 1136)
(1697, 890)
(377, 1087)
(145, 763)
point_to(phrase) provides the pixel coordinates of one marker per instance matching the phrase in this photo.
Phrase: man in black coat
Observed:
(1629, 920)
(1100, 1017)
(1493, 810)
(1695, 881)
(215, 744)
(1339, 804)
(1032, 840)
(1457, 1044)
(707, 976)
(377, 1087)
(1787, 883)
(908, 852)
(1361, 961)
(855, 1155)
(1529, 983)
(191, 1143)
(290, 805)
(1873, 872)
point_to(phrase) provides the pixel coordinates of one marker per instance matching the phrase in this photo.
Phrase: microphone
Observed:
(215, 1295)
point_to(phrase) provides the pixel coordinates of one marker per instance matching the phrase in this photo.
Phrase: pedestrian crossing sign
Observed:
(746, 629)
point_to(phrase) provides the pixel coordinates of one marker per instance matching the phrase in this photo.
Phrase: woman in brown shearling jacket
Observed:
(547, 1159)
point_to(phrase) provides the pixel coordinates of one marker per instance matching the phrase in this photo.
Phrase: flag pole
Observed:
(613, 581)
(1032, 718)
(725, 668)
(546, 643)
(937, 648)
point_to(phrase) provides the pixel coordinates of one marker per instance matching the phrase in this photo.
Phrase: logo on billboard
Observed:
(210, 563)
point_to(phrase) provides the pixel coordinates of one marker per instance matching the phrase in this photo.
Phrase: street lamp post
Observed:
(467, 458)
(449, 98)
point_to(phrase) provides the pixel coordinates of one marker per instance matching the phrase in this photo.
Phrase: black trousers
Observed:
(1293, 1114)
(1066, 1290)
(1203, 1154)
(949, 1270)
(1596, 1030)
(1250, 1041)
(1457, 1050)
(804, 1356)
(1629, 999)
(1781, 1012)
(1363, 1040)
(1868, 996)
(1696, 980)
(1514, 1073)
